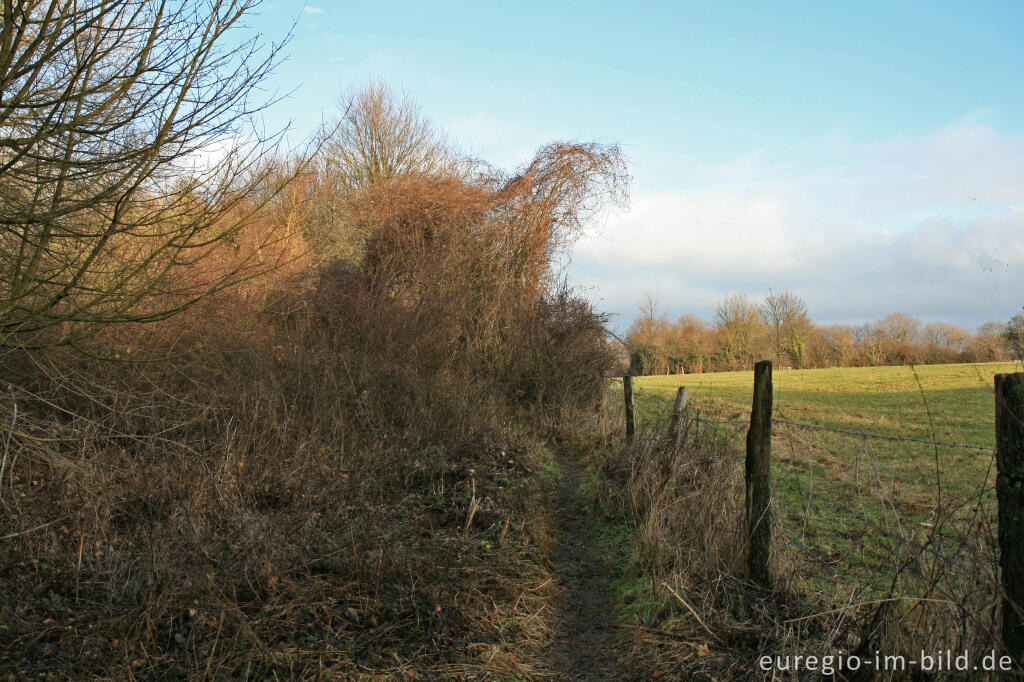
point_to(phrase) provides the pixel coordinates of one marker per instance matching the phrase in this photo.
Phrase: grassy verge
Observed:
(658, 634)
(631, 588)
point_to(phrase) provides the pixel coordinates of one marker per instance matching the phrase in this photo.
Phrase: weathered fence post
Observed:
(1010, 496)
(627, 387)
(759, 450)
(674, 425)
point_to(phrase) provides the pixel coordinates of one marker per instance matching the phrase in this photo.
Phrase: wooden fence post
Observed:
(1010, 497)
(758, 479)
(627, 387)
(674, 425)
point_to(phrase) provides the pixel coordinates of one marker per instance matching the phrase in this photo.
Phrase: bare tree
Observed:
(379, 136)
(900, 328)
(647, 339)
(691, 343)
(841, 342)
(738, 321)
(945, 335)
(1014, 334)
(107, 111)
(785, 314)
(382, 140)
(988, 343)
(651, 320)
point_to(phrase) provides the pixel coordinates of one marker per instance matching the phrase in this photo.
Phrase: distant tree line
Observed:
(779, 327)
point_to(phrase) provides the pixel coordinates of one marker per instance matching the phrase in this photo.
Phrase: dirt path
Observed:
(582, 647)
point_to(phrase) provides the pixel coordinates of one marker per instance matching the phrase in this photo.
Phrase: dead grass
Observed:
(247, 538)
(324, 473)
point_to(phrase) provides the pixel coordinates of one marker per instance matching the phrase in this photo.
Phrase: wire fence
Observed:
(862, 434)
(788, 452)
(873, 518)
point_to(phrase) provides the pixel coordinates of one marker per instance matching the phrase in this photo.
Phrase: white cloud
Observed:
(688, 231)
(309, 9)
(930, 225)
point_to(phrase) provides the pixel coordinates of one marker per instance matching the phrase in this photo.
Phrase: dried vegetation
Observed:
(325, 469)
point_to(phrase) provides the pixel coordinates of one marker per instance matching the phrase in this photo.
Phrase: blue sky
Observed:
(868, 156)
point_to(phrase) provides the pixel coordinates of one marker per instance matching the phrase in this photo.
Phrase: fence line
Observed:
(1010, 494)
(862, 434)
(901, 538)
(897, 537)
(1009, 457)
(878, 436)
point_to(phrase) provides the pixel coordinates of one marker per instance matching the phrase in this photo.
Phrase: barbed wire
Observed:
(941, 550)
(878, 436)
(941, 554)
(895, 539)
(898, 538)
(862, 434)
(740, 422)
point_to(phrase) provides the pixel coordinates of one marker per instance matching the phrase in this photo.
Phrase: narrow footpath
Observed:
(582, 649)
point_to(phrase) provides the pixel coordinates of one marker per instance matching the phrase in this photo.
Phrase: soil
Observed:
(583, 646)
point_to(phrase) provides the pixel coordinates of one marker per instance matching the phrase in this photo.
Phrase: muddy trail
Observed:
(583, 646)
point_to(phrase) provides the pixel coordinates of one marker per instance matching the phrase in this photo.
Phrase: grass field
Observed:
(841, 498)
(883, 400)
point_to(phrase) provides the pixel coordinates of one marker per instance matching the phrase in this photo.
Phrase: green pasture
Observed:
(837, 496)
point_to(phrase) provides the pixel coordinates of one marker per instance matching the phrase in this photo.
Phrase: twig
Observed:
(474, 504)
(34, 528)
(209, 661)
(7, 446)
(78, 568)
(931, 428)
(689, 608)
(866, 603)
